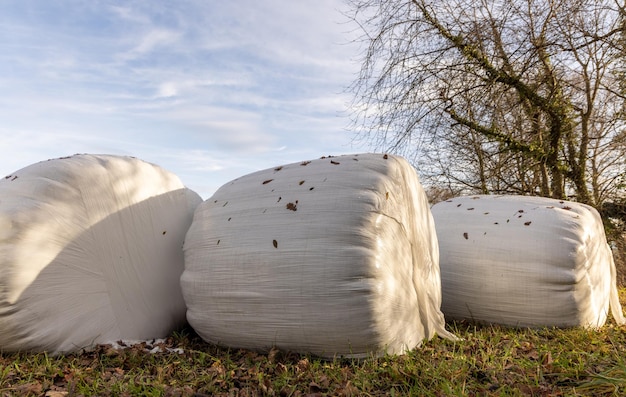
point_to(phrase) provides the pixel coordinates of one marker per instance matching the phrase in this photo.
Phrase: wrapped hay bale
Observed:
(525, 261)
(335, 256)
(90, 252)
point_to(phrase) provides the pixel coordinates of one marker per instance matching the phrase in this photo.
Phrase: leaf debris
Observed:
(488, 360)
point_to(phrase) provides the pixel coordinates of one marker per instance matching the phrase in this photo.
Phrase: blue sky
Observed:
(210, 90)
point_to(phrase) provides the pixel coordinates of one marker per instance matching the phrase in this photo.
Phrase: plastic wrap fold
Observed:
(335, 256)
(525, 261)
(90, 252)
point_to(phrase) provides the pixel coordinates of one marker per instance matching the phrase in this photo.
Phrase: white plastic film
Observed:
(525, 261)
(90, 252)
(335, 256)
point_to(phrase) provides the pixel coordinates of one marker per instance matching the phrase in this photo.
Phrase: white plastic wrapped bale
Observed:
(335, 256)
(91, 252)
(525, 261)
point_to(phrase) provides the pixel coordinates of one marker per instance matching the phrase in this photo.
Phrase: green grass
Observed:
(488, 361)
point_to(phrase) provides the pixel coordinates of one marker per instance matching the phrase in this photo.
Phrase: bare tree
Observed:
(516, 96)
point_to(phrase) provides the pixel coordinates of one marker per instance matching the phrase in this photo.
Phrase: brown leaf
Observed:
(267, 181)
(465, 235)
(547, 359)
(305, 163)
(281, 368)
(29, 388)
(300, 183)
(533, 355)
(349, 390)
(303, 365)
(292, 206)
(272, 355)
(275, 243)
(385, 156)
(56, 393)
(334, 162)
(314, 387)
(278, 168)
(527, 223)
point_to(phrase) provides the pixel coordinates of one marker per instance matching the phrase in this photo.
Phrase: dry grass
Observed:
(489, 361)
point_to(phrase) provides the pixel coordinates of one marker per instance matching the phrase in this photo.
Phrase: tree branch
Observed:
(512, 144)
(495, 74)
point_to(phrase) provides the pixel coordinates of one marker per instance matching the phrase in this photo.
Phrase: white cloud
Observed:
(149, 41)
(127, 13)
(167, 89)
(206, 89)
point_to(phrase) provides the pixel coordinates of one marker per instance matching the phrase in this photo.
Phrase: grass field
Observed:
(487, 361)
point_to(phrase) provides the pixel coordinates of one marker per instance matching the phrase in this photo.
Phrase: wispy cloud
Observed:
(149, 42)
(208, 89)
